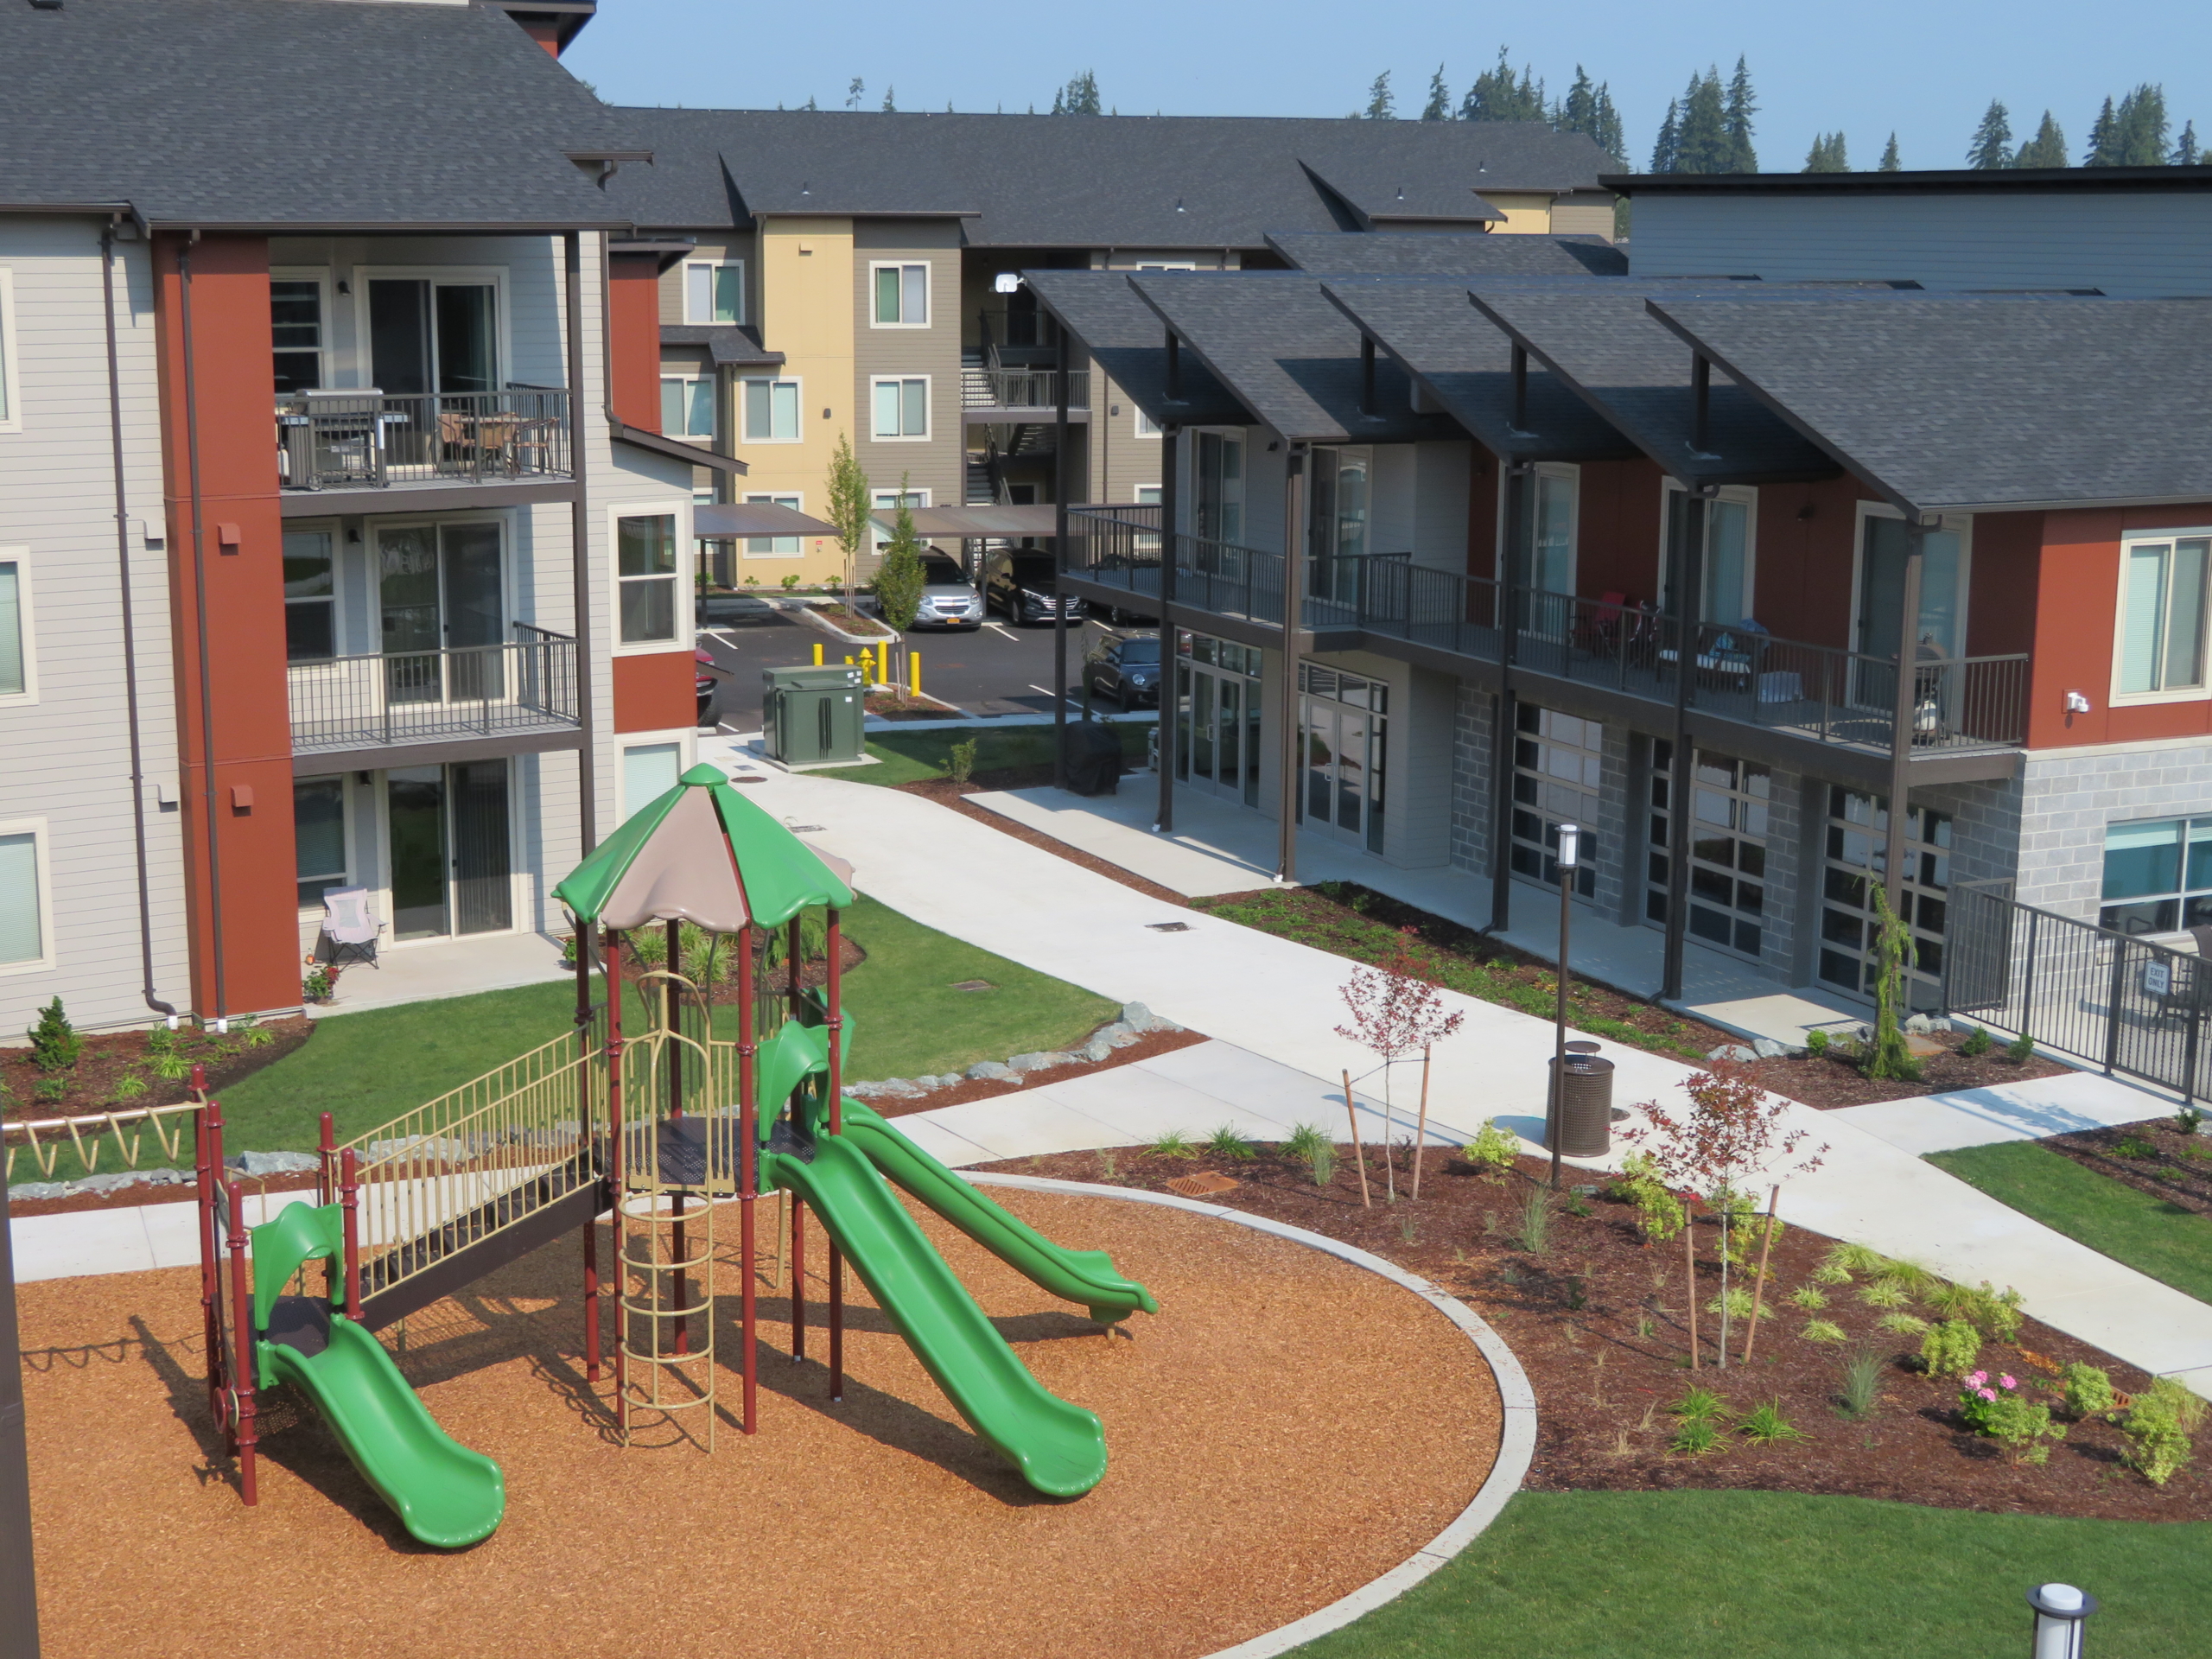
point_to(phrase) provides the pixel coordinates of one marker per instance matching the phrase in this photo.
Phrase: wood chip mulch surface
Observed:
(1287, 1428)
(1598, 1321)
(108, 1057)
(1829, 1081)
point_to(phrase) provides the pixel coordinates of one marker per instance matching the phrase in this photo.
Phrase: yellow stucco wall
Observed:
(1524, 215)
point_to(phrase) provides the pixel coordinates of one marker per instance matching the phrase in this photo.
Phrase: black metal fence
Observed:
(2133, 1006)
(415, 696)
(335, 439)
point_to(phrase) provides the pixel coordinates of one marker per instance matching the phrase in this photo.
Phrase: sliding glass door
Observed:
(451, 854)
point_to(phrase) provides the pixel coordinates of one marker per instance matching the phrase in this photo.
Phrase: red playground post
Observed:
(836, 1127)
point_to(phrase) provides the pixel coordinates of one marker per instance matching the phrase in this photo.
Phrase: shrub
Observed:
(257, 1037)
(160, 1040)
(1816, 1044)
(791, 580)
(1855, 1259)
(1322, 1161)
(1951, 1348)
(1862, 1383)
(2021, 1049)
(172, 1067)
(1494, 1147)
(1765, 1425)
(1746, 1226)
(1739, 1304)
(900, 579)
(1977, 1042)
(1173, 1144)
(1697, 1436)
(130, 1086)
(1828, 1274)
(650, 945)
(1826, 1330)
(2134, 1145)
(314, 988)
(55, 1044)
(2087, 1390)
(813, 941)
(1995, 1407)
(1993, 1313)
(1534, 1233)
(2187, 1119)
(2159, 1423)
(1807, 1297)
(1901, 1324)
(962, 760)
(1700, 1405)
(51, 1088)
(1658, 1211)
(1302, 1138)
(1885, 1292)
(1225, 1142)
(1892, 1056)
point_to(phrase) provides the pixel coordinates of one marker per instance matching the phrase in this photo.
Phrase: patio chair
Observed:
(349, 926)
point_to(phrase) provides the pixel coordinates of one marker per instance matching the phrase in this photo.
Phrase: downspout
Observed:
(580, 536)
(129, 639)
(199, 601)
(1171, 456)
(1686, 570)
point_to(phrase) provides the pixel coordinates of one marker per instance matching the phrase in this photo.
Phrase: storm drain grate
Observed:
(1202, 1185)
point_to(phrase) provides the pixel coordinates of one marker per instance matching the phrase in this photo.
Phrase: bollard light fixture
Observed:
(1570, 846)
(1569, 861)
(2061, 1610)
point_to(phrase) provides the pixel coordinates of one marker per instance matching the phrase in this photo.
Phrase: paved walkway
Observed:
(2009, 1111)
(442, 967)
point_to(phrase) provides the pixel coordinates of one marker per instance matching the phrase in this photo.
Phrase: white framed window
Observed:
(320, 838)
(714, 291)
(902, 407)
(770, 411)
(687, 405)
(1167, 265)
(18, 652)
(1146, 426)
(2159, 647)
(648, 770)
(775, 546)
(1885, 546)
(310, 592)
(1147, 495)
(25, 898)
(902, 293)
(11, 408)
(1731, 550)
(887, 502)
(646, 577)
(299, 318)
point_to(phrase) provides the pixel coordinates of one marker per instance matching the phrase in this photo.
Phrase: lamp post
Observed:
(1570, 859)
(2061, 1610)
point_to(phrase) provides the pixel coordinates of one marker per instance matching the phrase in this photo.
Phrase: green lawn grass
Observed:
(367, 1068)
(2149, 1234)
(1694, 1574)
(909, 757)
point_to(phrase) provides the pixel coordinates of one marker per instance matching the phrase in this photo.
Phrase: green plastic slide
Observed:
(1084, 1277)
(1059, 1448)
(445, 1494)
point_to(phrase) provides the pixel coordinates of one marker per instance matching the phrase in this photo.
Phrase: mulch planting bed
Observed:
(1829, 1081)
(1270, 1451)
(2153, 1156)
(1146, 1046)
(1599, 1321)
(108, 1058)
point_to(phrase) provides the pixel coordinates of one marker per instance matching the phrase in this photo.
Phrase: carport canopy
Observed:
(996, 522)
(721, 521)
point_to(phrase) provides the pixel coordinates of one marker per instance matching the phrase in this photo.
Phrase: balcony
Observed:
(1019, 397)
(368, 440)
(1841, 700)
(464, 702)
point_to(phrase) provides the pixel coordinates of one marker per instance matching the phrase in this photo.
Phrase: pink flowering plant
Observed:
(1997, 1407)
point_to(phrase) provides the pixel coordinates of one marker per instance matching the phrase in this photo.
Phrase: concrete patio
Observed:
(423, 972)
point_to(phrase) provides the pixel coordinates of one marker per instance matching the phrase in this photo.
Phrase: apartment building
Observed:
(858, 275)
(1717, 567)
(322, 561)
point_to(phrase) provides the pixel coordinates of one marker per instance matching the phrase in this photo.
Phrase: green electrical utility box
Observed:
(814, 716)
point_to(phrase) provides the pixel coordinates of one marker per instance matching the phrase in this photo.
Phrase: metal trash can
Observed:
(1585, 1108)
(814, 716)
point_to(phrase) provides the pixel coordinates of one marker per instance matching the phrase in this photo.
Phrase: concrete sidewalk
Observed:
(2008, 1111)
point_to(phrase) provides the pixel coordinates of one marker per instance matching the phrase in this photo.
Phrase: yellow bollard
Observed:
(914, 672)
(817, 653)
(883, 662)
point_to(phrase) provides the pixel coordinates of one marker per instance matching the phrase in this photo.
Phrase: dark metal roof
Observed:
(1126, 181)
(298, 115)
(1948, 181)
(735, 344)
(1289, 355)
(1127, 339)
(1449, 253)
(1974, 402)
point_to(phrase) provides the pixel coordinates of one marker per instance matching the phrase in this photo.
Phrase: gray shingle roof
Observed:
(296, 113)
(1128, 340)
(1968, 401)
(737, 345)
(1382, 190)
(1131, 181)
(1450, 253)
(1290, 356)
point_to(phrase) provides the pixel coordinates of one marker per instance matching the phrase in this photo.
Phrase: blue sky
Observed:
(1924, 70)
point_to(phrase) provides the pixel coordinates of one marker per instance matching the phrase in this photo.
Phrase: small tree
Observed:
(1732, 1131)
(1891, 1057)
(1395, 1013)
(899, 579)
(55, 1042)
(848, 505)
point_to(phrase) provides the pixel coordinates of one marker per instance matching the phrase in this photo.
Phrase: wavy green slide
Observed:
(1085, 1277)
(1059, 1448)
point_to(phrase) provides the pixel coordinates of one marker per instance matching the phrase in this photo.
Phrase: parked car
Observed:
(949, 599)
(1124, 666)
(1019, 584)
(703, 682)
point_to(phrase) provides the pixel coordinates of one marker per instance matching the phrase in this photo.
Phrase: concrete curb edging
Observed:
(1517, 1440)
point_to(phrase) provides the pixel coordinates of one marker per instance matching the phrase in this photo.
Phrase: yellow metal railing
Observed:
(47, 1138)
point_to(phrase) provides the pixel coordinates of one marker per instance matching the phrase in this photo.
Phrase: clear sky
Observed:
(1925, 69)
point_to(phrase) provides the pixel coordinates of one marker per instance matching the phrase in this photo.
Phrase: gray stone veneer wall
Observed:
(1472, 814)
(2066, 801)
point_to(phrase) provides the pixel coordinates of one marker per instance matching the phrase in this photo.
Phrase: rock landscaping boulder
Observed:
(1026, 1064)
(32, 1192)
(1767, 1049)
(1137, 1017)
(1096, 1049)
(110, 1183)
(991, 1072)
(274, 1163)
(1734, 1051)
(1120, 1034)
(888, 1089)
(1919, 1025)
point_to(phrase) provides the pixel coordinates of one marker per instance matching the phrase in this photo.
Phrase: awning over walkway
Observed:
(993, 521)
(722, 521)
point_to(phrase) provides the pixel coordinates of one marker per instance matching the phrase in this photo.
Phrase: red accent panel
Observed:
(654, 693)
(546, 31)
(1617, 535)
(1483, 471)
(1802, 559)
(634, 331)
(244, 671)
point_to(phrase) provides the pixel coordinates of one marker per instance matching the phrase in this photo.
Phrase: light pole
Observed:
(1570, 858)
(2061, 1610)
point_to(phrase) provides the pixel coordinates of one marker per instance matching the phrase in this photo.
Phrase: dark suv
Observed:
(1021, 584)
(1124, 667)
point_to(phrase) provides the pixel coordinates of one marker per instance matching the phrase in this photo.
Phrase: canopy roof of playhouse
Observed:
(703, 854)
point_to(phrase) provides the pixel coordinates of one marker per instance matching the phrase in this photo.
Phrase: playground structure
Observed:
(658, 1131)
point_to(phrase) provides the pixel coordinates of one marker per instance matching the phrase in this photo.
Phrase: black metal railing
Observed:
(2129, 1004)
(528, 684)
(1025, 389)
(370, 439)
(1739, 673)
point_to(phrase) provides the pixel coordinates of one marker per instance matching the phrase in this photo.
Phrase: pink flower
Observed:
(1977, 1379)
(1986, 1394)
(2008, 1382)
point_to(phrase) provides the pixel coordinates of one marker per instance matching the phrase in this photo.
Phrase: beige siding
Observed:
(712, 245)
(935, 464)
(1584, 214)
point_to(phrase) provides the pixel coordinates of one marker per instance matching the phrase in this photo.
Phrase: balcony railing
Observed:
(1025, 389)
(369, 440)
(1819, 692)
(526, 686)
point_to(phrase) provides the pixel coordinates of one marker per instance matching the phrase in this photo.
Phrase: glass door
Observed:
(1217, 717)
(440, 587)
(483, 894)
(1341, 728)
(427, 336)
(451, 854)
(415, 819)
(1338, 534)
(1941, 634)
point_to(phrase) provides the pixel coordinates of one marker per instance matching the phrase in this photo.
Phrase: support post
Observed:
(1685, 573)
(1513, 571)
(748, 1178)
(671, 1007)
(798, 1278)
(1567, 862)
(326, 1147)
(581, 568)
(1059, 565)
(1901, 717)
(836, 1028)
(242, 1358)
(349, 1191)
(618, 1160)
(211, 1265)
(1171, 455)
(18, 1582)
(1294, 607)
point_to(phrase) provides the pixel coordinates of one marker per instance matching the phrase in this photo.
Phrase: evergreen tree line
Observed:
(2134, 132)
(1498, 94)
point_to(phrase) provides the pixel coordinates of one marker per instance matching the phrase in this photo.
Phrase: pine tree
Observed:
(1438, 107)
(853, 93)
(1381, 105)
(1667, 151)
(1498, 96)
(1827, 154)
(1083, 94)
(809, 104)
(2046, 149)
(1890, 163)
(2185, 152)
(2104, 139)
(1741, 106)
(1702, 143)
(2138, 135)
(890, 102)
(1589, 110)
(1992, 146)
(1611, 136)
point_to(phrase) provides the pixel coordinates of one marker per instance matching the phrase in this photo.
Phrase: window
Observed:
(646, 554)
(902, 296)
(772, 411)
(22, 896)
(1147, 427)
(687, 405)
(886, 504)
(1727, 874)
(1342, 739)
(1551, 566)
(310, 597)
(902, 407)
(16, 679)
(649, 772)
(2157, 876)
(295, 315)
(433, 334)
(1147, 495)
(2163, 593)
(1857, 846)
(1221, 487)
(714, 292)
(774, 547)
(319, 834)
(1558, 770)
(1726, 593)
